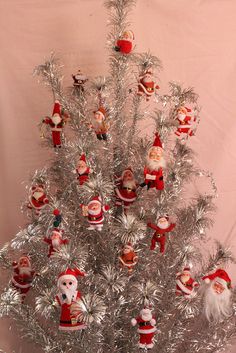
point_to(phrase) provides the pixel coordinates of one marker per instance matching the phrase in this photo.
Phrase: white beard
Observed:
(25, 271)
(181, 117)
(163, 226)
(97, 124)
(56, 119)
(217, 306)
(146, 316)
(94, 212)
(69, 292)
(56, 243)
(82, 170)
(37, 194)
(131, 184)
(155, 165)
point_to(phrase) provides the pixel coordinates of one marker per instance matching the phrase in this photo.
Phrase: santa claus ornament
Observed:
(68, 294)
(125, 190)
(146, 85)
(153, 170)
(56, 123)
(79, 81)
(186, 123)
(23, 275)
(185, 284)
(37, 198)
(217, 296)
(162, 227)
(124, 44)
(55, 242)
(99, 123)
(94, 211)
(82, 170)
(128, 258)
(146, 328)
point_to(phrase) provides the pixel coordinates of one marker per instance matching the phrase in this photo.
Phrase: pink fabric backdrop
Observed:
(195, 41)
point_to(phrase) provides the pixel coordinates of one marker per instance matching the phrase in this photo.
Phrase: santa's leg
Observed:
(126, 206)
(149, 338)
(142, 341)
(162, 241)
(104, 137)
(99, 136)
(99, 227)
(91, 227)
(56, 138)
(153, 242)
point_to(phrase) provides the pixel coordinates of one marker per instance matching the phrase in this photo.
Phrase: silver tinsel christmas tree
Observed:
(115, 289)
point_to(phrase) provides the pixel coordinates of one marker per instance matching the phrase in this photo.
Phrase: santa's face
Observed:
(163, 223)
(126, 250)
(147, 78)
(56, 119)
(146, 314)
(82, 166)
(181, 114)
(155, 153)
(218, 287)
(94, 208)
(98, 117)
(38, 193)
(185, 277)
(24, 262)
(68, 287)
(126, 36)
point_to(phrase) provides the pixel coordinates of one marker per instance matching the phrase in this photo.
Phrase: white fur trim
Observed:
(150, 345)
(124, 198)
(149, 94)
(221, 281)
(56, 129)
(182, 287)
(153, 322)
(28, 285)
(207, 280)
(133, 322)
(184, 126)
(151, 330)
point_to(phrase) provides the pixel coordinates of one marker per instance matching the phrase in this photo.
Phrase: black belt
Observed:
(65, 322)
(146, 323)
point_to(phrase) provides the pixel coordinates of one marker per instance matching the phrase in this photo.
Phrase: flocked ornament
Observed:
(186, 123)
(185, 284)
(128, 258)
(155, 162)
(146, 85)
(146, 328)
(56, 123)
(125, 189)
(217, 296)
(68, 294)
(94, 211)
(99, 123)
(124, 44)
(162, 227)
(23, 275)
(82, 170)
(55, 242)
(37, 198)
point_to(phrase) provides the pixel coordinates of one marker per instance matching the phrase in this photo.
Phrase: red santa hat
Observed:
(157, 141)
(96, 199)
(56, 232)
(220, 276)
(129, 33)
(57, 108)
(101, 111)
(83, 158)
(185, 109)
(69, 274)
(26, 259)
(186, 270)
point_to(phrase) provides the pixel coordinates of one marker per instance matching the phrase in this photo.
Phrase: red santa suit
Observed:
(69, 321)
(37, 199)
(146, 329)
(96, 218)
(153, 178)
(56, 122)
(185, 122)
(22, 280)
(160, 235)
(49, 241)
(125, 44)
(83, 177)
(125, 194)
(128, 258)
(185, 288)
(146, 86)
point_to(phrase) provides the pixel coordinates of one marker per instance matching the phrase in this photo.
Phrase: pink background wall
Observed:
(195, 41)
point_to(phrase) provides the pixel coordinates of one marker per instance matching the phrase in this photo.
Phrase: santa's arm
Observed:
(170, 228)
(47, 240)
(153, 226)
(65, 241)
(47, 120)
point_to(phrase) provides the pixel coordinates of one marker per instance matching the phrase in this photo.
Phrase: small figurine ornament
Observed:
(155, 162)
(94, 212)
(128, 258)
(185, 127)
(217, 296)
(55, 242)
(125, 44)
(163, 226)
(23, 275)
(146, 85)
(68, 294)
(185, 284)
(146, 328)
(126, 189)
(99, 124)
(56, 122)
(37, 198)
(82, 170)
(79, 81)
(58, 218)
